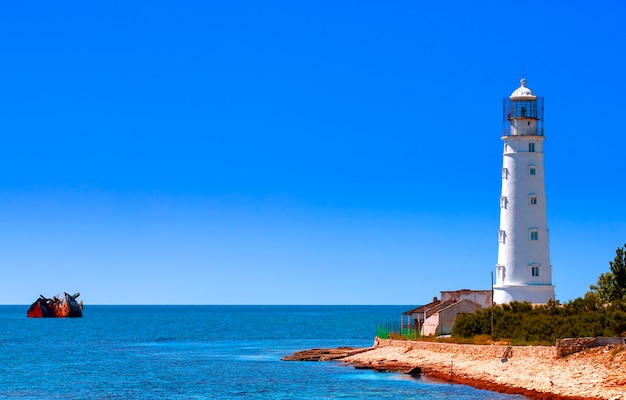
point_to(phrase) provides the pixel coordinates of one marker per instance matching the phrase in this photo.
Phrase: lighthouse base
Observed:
(536, 294)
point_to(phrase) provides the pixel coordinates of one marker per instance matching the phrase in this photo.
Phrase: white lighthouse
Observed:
(523, 272)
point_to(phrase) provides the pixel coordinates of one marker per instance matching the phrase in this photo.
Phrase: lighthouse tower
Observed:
(523, 272)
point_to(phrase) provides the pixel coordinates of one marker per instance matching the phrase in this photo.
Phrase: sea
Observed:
(202, 352)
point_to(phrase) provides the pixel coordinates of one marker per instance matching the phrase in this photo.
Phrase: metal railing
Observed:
(394, 330)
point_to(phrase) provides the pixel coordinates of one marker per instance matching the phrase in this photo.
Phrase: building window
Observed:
(501, 236)
(505, 173)
(533, 200)
(532, 171)
(503, 201)
(531, 147)
(535, 271)
(534, 235)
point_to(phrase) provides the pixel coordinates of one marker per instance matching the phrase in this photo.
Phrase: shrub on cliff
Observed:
(522, 323)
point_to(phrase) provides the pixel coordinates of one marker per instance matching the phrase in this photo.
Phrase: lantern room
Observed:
(522, 113)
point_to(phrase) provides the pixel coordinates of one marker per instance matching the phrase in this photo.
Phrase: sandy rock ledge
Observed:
(532, 371)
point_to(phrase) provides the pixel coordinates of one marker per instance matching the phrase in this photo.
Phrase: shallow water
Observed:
(201, 352)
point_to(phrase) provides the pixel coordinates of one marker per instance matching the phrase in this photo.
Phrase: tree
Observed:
(612, 285)
(618, 269)
(605, 290)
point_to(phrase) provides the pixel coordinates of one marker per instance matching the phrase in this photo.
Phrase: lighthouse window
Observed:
(532, 171)
(500, 272)
(502, 201)
(533, 200)
(505, 173)
(501, 236)
(531, 147)
(535, 271)
(534, 235)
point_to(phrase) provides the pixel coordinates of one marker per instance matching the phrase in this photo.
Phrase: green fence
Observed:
(393, 330)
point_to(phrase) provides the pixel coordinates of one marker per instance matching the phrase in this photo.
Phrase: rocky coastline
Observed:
(533, 371)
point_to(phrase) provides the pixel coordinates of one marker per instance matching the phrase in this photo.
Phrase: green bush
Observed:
(521, 323)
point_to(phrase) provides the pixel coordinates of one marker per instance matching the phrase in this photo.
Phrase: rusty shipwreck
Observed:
(64, 306)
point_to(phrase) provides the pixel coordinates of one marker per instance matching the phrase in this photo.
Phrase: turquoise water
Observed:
(200, 352)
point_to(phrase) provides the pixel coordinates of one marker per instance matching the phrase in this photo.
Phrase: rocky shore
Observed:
(532, 371)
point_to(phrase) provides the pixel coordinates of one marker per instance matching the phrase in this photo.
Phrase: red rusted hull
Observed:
(35, 310)
(63, 307)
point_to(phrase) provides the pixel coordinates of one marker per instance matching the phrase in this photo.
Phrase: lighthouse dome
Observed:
(523, 92)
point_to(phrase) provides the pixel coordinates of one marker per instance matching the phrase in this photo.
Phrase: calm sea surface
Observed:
(200, 352)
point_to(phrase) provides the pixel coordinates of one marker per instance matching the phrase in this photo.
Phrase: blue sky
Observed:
(296, 152)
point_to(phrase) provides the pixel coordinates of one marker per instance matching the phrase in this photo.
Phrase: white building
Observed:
(523, 272)
(438, 316)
